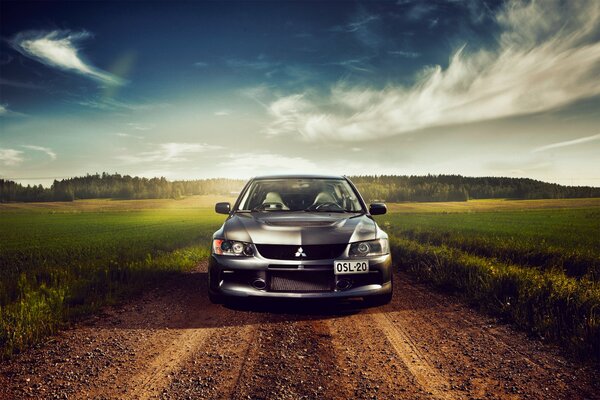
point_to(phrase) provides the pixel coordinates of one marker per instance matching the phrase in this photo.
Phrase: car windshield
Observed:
(313, 195)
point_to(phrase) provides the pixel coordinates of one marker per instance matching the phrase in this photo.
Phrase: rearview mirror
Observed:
(377, 209)
(223, 208)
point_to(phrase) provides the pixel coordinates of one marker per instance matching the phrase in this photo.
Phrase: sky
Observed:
(190, 90)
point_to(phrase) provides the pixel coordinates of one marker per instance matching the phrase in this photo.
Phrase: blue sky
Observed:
(193, 90)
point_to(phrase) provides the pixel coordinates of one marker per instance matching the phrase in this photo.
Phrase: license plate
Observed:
(344, 267)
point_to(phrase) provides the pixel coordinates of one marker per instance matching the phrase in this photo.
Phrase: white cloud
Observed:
(258, 163)
(46, 150)
(140, 127)
(60, 49)
(5, 112)
(10, 157)
(128, 135)
(201, 64)
(169, 153)
(567, 143)
(222, 113)
(546, 56)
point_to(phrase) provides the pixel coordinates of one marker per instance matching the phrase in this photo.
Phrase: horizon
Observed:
(49, 185)
(478, 89)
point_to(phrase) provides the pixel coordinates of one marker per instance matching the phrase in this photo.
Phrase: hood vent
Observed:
(292, 223)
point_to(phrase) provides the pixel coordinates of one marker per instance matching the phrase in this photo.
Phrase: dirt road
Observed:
(171, 343)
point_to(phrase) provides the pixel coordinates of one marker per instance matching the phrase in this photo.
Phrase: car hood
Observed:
(299, 228)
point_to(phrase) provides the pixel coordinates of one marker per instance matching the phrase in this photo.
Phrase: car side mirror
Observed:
(377, 209)
(223, 208)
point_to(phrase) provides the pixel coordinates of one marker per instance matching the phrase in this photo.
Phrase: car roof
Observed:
(298, 176)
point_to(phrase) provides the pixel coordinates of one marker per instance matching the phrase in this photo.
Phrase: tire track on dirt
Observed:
(479, 357)
(291, 358)
(425, 374)
(214, 370)
(149, 382)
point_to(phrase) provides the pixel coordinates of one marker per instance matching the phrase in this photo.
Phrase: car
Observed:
(300, 237)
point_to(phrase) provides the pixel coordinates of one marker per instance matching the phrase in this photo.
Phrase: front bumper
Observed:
(235, 277)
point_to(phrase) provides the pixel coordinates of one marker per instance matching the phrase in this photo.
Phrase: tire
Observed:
(380, 299)
(215, 298)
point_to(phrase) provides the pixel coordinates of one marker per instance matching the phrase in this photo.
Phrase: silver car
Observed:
(300, 236)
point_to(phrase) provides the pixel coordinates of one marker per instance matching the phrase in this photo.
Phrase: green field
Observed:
(534, 262)
(61, 260)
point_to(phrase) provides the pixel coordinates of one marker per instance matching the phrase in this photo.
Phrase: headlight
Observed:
(370, 248)
(232, 248)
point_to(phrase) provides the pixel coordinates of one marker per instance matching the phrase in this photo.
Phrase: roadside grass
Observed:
(566, 240)
(55, 266)
(536, 267)
(547, 304)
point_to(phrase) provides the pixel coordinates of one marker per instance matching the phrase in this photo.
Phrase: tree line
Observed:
(391, 188)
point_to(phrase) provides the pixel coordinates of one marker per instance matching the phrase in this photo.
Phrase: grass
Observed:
(536, 263)
(549, 305)
(59, 261)
(567, 240)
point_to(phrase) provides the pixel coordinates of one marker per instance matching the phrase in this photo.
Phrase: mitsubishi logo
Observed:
(300, 252)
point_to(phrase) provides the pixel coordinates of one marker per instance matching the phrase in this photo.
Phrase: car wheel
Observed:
(215, 298)
(380, 299)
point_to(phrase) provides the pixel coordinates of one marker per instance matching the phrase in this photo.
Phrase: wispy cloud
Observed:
(418, 10)
(222, 113)
(46, 150)
(139, 126)
(362, 28)
(128, 135)
(201, 64)
(110, 104)
(359, 23)
(60, 49)
(6, 112)
(573, 142)
(354, 64)
(19, 84)
(253, 163)
(10, 157)
(405, 54)
(259, 63)
(169, 153)
(546, 57)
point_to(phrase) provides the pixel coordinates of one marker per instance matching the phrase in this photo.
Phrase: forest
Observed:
(391, 188)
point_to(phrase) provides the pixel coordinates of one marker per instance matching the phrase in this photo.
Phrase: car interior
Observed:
(315, 195)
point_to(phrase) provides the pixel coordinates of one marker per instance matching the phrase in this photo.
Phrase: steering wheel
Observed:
(326, 204)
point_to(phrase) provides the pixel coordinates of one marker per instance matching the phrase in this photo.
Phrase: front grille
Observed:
(284, 281)
(312, 251)
(296, 267)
